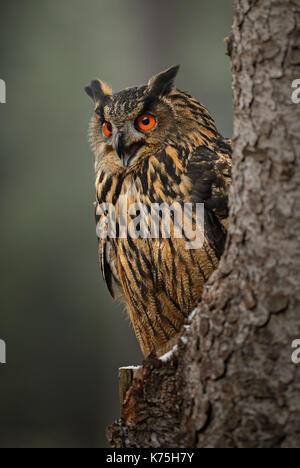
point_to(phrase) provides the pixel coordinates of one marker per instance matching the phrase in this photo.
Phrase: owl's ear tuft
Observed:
(98, 90)
(162, 83)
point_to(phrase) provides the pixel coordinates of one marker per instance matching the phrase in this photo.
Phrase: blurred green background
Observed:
(65, 337)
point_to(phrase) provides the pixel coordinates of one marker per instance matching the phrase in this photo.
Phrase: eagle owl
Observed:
(155, 144)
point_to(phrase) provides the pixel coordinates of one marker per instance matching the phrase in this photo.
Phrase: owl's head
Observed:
(132, 123)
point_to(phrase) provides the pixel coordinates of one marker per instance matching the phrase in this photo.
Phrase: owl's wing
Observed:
(210, 173)
(103, 250)
(105, 267)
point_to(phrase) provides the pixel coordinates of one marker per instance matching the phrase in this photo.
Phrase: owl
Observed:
(154, 145)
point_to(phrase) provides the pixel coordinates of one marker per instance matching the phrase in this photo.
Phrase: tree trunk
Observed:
(231, 381)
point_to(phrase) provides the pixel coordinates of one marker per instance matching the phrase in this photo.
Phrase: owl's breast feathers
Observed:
(160, 280)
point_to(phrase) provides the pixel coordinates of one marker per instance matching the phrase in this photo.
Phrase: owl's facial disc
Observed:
(126, 152)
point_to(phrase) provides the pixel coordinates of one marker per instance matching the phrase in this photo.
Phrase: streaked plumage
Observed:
(182, 158)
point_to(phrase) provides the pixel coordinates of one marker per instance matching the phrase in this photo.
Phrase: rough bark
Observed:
(231, 382)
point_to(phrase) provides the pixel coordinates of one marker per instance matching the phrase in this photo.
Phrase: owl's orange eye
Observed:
(107, 128)
(146, 121)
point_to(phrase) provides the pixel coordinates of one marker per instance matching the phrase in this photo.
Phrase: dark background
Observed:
(65, 337)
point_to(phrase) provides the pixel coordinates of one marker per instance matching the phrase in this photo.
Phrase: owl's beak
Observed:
(126, 159)
(120, 149)
(119, 145)
(125, 153)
